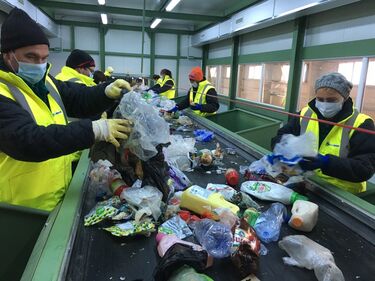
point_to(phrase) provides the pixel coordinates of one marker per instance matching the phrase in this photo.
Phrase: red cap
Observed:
(232, 177)
(196, 74)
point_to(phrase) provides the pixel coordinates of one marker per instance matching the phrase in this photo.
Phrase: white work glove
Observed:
(113, 90)
(111, 129)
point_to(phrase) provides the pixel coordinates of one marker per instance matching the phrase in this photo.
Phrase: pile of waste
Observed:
(149, 191)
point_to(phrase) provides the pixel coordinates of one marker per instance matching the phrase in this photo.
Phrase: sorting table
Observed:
(97, 255)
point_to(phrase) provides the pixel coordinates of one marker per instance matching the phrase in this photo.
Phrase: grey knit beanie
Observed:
(335, 81)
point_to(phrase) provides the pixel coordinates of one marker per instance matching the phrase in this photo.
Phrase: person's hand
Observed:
(196, 106)
(174, 109)
(111, 129)
(313, 163)
(117, 88)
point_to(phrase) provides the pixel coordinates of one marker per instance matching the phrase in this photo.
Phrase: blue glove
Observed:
(313, 163)
(197, 106)
(174, 109)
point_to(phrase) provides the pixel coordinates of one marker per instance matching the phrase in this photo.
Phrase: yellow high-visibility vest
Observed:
(336, 143)
(69, 74)
(38, 185)
(200, 96)
(170, 94)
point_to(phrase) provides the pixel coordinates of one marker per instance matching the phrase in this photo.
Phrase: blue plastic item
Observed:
(215, 237)
(203, 135)
(269, 223)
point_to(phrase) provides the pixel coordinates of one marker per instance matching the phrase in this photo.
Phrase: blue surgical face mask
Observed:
(194, 84)
(31, 72)
(328, 109)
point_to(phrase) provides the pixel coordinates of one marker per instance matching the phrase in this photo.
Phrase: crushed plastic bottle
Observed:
(269, 223)
(215, 238)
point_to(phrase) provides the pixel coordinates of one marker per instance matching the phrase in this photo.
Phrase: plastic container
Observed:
(232, 177)
(269, 223)
(204, 202)
(251, 215)
(304, 215)
(270, 191)
(216, 238)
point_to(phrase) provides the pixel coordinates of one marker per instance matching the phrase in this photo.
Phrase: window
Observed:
(219, 76)
(368, 103)
(350, 68)
(266, 83)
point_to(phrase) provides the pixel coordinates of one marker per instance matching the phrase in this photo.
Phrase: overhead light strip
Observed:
(101, 2)
(155, 22)
(171, 5)
(104, 18)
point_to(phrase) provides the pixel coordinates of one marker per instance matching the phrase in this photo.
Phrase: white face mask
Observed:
(194, 84)
(328, 109)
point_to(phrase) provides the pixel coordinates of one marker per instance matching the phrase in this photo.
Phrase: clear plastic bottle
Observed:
(269, 223)
(215, 238)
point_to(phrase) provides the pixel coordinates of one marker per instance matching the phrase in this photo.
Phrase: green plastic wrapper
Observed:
(131, 228)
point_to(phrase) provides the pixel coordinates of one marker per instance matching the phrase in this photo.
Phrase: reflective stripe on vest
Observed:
(336, 143)
(73, 79)
(200, 96)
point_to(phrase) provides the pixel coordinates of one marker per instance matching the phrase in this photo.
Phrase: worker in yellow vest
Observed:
(79, 68)
(346, 157)
(35, 138)
(167, 85)
(202, 96)
(108, 72)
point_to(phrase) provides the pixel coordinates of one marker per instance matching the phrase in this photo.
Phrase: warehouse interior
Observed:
(263, 57)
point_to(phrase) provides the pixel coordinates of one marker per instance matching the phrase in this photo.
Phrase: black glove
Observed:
(313, 163)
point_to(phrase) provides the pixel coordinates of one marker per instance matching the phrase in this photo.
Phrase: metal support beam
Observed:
(123, 27)
(72, 38)
(233, 71)
(205, 57)
(152, 54)
(125, 11)
(295, 65)
(178, 63)
(102, 33)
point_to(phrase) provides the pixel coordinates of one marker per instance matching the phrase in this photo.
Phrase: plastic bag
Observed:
(102, 210)
(203, 135)
(177, 153)
(304, 252)
(166, 104)
(147, 196)
(180, 180)
(149, 128)
(176, 226)
(131, 228)
(291, 146)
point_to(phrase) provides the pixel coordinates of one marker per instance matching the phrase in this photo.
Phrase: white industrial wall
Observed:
(220, 49)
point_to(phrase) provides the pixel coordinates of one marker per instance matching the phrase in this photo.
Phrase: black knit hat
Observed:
(19, 30)
(79, 58)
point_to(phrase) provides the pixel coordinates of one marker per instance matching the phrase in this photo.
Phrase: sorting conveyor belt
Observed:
(97, 255)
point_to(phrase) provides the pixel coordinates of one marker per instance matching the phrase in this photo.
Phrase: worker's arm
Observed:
(292, 127)
(360, 164)
(22, 139)
(155, 87)
(167, 86)
(185, 103)
(212, 105)
(81, 101)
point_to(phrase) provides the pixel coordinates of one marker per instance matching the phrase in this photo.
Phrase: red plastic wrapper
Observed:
(245, 249)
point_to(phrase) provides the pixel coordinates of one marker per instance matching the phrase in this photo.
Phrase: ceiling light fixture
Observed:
(101, 2)
(155, 23)
(104, 18)
(172, 4)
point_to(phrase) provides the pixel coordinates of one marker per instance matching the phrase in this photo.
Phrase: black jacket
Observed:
(211, 106)
(22, 139)
(161, 89)
(360, 164)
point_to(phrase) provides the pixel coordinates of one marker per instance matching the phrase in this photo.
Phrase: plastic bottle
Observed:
(232, 177)
(269, 223)
(216, 238)
(203, 201)
(117, 184)
(304, 215)
(270, 191)
(251, 215)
